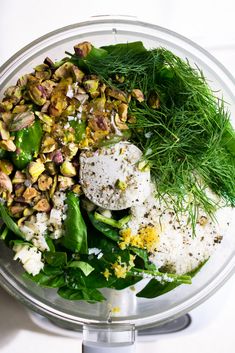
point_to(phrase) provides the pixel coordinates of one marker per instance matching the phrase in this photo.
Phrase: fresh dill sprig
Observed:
(188, 140)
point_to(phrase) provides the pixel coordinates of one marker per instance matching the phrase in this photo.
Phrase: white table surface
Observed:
(210, 24)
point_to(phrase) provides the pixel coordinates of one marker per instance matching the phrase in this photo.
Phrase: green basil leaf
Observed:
(9, 222)
(75, 235)
(83, 266)
(56, 259)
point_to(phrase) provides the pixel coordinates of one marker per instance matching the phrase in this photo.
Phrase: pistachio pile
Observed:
(46, 119)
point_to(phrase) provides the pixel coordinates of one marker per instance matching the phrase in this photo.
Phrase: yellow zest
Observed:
(146, 238)
(106, 273)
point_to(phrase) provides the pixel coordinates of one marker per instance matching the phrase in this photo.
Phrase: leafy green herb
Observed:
(28, 142)
(75, 236)
(155, 288)
(112, 222)
(9, 222)
(104, 228)
(85, 267)
(186, 137)
(90, 295)
(55, 259)
(43, 279)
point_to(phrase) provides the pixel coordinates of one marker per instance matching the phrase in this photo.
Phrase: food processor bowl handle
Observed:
(108, 338)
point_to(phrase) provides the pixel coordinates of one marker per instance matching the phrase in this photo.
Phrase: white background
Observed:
(210, 24)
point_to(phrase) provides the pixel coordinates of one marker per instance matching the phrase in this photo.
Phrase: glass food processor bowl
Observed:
(141, 312)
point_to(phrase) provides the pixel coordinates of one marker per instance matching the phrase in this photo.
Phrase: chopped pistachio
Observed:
(122, 111)
(98, 104)
(122, 185)
(116, 93)
(82, 49)
(77, 189)
(19, 189)
(77, 74)
(17, 209)
(6, 166)
(19, 177)
(53, 187)
(131, 119)
(143, 166)
(35, 169)
(14, 93)
(30, 193)
(45, 118)
(5, 135)
(51, 168)
(8, 145)
(65, 182)
(58, 98)
(154, 101)
(21, 108)
(91, 86)
(67, 169)
(28, 212)
(48, 145)
(44, 182)
(138, 94)
(120, 124)
(42, 206)
(99, 122)
(21, 221)
(6, 117)
(21, 120)
(6, 105)
(5, 183)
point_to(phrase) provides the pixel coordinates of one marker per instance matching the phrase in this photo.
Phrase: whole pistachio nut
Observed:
(48, 86)
(37, 93)
(82, 49)
(21, 120)
(64, 71)
(14, 93)
(5, 183)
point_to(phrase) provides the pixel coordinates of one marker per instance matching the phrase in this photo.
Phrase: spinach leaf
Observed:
(105, 229)
(75, 236)
(90, 295)
(83, 266)
(28, 142)
(123, 48)
(143, 254)
(55, 259)
(47, 280)
(9, 222)
(154, 288)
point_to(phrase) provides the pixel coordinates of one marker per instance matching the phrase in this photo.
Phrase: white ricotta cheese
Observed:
(111, 179)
